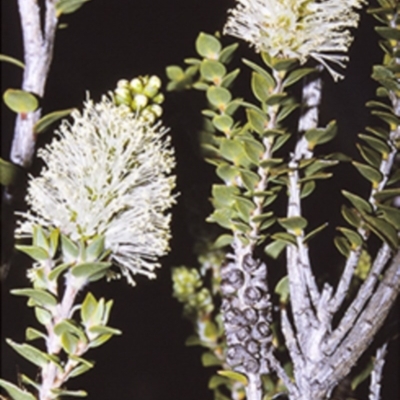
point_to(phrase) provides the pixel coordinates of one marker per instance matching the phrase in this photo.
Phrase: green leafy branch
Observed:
(67, 337)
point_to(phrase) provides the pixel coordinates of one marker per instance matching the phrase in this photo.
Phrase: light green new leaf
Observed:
(100, 340)
(20, 101)
(249, 179)
(69, 342)
(54, 274)
(69, 249)
(42, 315)
(222, 217)
(235, 376)
(208, 359)
(280, 141)
(216, 381)
(88, 363)
(233, 150)
(222, 241)
(46, 121)
(33, 334)
(68, 325)
(275, 248)
(35, 252)
(293, 223)
(219, 96)
(314, 232)
(227, 173)
(208, 46)
(88, 308)
(32, 354)
(282, 288)
(282, 64)
(223, 195)
(223, 123)
(90, 268)
(285, 237)
(39, 238)
(269, 79)
(95, 249)
(68, 6)
(212, 70)
(193, 340)
(260, 86)
(26, 380)
(104, 330)
(286, 111)
(228, 79)
(79, 370)
(257, 120)
(226, 53)
(321, 135)
(15, 392)
(296, 75)
(275, 99)
(72, 393)
(175, 73)
(40, 296)
(12, 60)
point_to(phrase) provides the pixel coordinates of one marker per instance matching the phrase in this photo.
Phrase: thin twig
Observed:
(376, 374)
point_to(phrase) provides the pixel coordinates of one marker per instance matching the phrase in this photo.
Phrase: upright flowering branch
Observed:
(100, 200)
(289, 33)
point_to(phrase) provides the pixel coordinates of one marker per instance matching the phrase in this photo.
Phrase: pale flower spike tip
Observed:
(107, 173)
(297, 29)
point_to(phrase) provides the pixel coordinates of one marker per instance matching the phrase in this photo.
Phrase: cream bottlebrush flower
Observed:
(107, 173)
(297, 28)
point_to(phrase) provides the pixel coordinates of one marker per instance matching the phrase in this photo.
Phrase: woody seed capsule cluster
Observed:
(247, 315)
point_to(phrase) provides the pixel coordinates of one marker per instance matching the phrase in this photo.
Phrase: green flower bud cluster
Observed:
(187, 287)
(141, 95)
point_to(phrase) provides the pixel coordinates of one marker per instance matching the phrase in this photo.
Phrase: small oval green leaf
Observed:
(212, 70)
(20, 101)
(219, 96)
(208, 46)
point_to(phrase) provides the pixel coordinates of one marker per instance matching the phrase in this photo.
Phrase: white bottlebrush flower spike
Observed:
(107, 173)
(297, 28)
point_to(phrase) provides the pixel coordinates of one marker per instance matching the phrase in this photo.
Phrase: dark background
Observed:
(109, 40)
